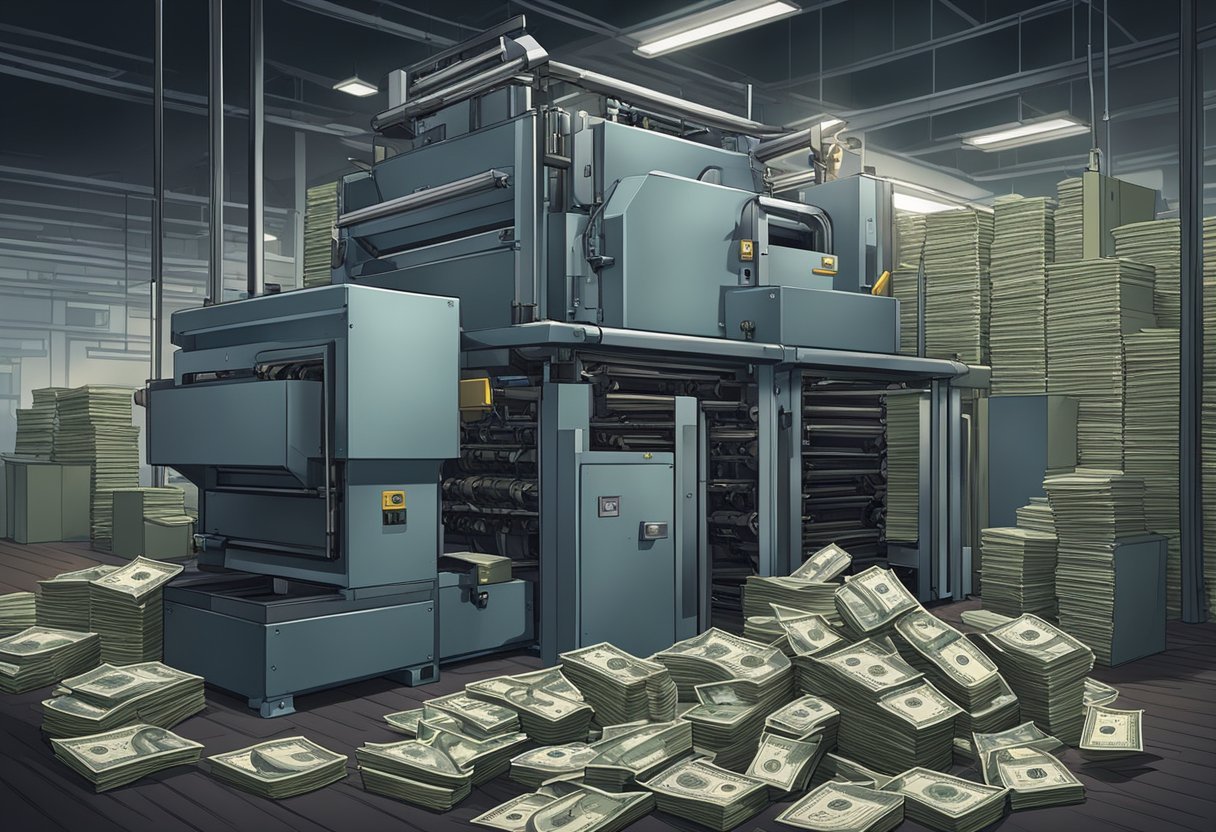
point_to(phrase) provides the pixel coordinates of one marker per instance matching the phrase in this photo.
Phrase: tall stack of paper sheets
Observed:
(95, 428)
(320, 214)
(1023, 245)
(1069, 220)
(1209, 411)
(958, 245)
(36, 425)
(1151, 441)
(903, 467)
(1091, 305)
(909, 244)
(1159, 244)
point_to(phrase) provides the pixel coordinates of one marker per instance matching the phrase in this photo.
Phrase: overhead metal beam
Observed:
(255, 279)
(1190, 192)
(370, 21)
(215, 119)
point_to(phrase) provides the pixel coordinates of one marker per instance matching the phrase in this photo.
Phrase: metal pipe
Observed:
(158, 206)
(255, 277)
(478, 182)
(498, 51)
(215, 119)
(1089, 72)
(1106, 77)
(644, 97)
(1190, 170)
(782, 145)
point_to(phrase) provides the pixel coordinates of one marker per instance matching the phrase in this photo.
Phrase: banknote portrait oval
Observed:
(914, 702)
(840, 805)
(751, 661)
(691, 781)
(1106, 729)
(617, 664)
(944, 793)
(1036, 773)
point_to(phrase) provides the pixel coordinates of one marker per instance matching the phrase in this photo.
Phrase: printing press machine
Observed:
(569, 323)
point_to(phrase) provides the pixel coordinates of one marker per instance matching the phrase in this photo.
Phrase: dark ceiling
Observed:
(909, 75)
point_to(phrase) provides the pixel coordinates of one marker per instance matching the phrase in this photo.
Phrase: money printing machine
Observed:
(568, 324)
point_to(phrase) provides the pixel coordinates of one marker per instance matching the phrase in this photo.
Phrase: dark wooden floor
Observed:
(1173, 787)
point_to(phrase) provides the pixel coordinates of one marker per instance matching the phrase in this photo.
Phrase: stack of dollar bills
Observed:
(845, 807)
(18, 611)
(414, 772)
(905, 279)
(806, 716)
(1034, 778)
(870, 602)
(535, 766)
(891, 718)
(726, 722)
(94, 428)
(485, 758)
(717, 656)
(116, 758)
(110, 697)
(1109, 734)
(1027, 735)
(619, 686)
(765, 629)
(36, 426)
(1157, 243)
(547, 718)
(1208, 416)
(903, 467)
(706, 794)
(126, 608)
(65, 598)
(1019, 567)
(1046, 668)
(826, 564)
(38, 656)
(638, 754)
(785, 764)
(280, 768)
(958, 669)
(1094, 510)
(948, 803)
(1036, 516)
(477, 719)
(557, 805)
(788, 591)
(1091, 306)
(1069, 220)
(1023, 245)
(1151, 415)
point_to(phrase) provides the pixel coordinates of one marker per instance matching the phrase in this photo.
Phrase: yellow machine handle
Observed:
(880, 285)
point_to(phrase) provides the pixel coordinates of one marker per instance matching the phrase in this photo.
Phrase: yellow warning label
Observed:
(390, 500)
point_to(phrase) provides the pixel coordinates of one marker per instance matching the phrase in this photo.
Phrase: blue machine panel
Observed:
(627, 582)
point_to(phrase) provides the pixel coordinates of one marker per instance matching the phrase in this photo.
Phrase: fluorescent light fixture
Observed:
(708, 25)
(267, 237)
(117, 354)
(918, 204)
(356, 86)
(1043, 130)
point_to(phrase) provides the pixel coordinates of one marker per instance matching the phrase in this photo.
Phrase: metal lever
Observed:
(653, 530)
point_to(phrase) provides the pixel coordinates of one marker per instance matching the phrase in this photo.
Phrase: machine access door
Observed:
(627, 564)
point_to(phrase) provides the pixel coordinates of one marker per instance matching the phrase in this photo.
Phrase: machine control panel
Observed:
(392, 507)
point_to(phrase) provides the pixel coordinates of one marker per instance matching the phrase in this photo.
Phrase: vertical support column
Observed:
(925, 501)
(688, 560)
(565, 411)
(789, 471)
(300, 183)
(704, 558)
(1190, 168)
(156, 301)
(945, 477)
(767, 490)
(215, 121)
(255, 278)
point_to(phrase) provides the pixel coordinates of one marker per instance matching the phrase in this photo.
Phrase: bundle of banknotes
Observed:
(115, 758)
(280, 768)
(63, 600)
(18, 611)
(38, 656)
(109, 697)
(126, 608)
